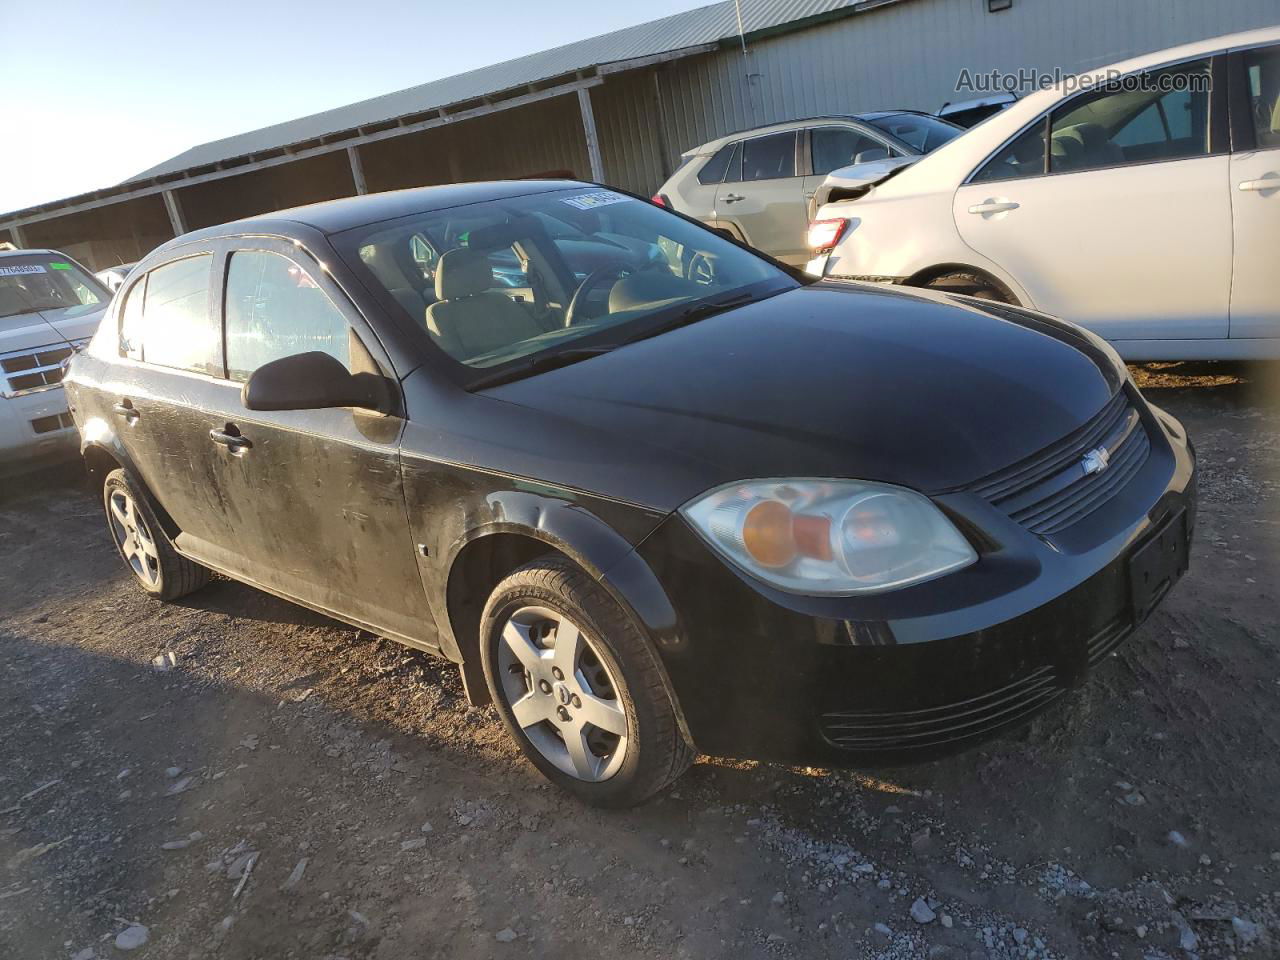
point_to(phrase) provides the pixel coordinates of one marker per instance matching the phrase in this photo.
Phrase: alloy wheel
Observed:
(562, 694)
(133, 537)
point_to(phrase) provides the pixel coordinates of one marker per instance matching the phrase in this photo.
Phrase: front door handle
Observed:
(993, 206)
(232, 441)
(125, 409)
(732, 197)
(1269, 182)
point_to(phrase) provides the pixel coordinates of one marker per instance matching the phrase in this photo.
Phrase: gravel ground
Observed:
(290, 787)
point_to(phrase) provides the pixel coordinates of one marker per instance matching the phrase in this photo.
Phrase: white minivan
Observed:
(1143, 203)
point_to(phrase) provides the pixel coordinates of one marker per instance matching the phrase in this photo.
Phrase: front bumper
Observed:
(928, 670)
(36, 428)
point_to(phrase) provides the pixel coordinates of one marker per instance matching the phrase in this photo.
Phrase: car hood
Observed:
(25, 331)
(833, 380)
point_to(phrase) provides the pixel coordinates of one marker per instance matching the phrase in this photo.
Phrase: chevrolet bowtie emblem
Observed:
(1095, 461)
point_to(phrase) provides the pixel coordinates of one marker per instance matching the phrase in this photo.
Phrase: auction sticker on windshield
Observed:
(20, 269)
(589, 201)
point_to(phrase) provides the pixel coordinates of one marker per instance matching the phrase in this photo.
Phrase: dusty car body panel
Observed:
(376, 518)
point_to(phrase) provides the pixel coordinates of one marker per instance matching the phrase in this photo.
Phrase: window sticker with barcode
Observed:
(19, 269)
(589, 201)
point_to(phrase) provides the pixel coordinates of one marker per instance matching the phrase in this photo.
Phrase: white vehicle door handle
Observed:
(1271, 182)
(993, 206)
(732, 197)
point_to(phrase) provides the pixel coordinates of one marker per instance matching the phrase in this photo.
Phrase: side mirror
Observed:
(310, 381)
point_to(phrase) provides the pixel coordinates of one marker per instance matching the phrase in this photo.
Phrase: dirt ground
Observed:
(291, 787)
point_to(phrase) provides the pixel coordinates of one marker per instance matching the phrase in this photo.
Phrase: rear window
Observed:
(921, 133)
(32, 284)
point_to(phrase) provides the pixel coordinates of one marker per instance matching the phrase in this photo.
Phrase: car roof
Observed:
(334, 216)
(711, 146)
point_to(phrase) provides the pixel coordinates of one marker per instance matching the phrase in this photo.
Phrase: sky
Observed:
(101, 92)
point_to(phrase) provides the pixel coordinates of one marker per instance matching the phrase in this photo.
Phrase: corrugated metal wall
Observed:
(907, 54)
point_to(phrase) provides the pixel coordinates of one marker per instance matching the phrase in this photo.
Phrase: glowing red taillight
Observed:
(825, 234)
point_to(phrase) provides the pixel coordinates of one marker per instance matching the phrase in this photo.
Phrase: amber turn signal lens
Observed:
(767, 535)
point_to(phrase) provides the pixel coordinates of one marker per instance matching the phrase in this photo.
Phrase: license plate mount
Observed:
(1157, 565)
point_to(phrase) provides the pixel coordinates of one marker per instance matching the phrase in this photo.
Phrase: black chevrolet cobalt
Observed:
(654, 493)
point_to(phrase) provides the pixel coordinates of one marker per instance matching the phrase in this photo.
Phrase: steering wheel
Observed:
(592, 280)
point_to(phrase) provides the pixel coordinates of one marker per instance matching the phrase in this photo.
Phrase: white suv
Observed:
(756, 184)
(1145, 207)
(49, 305)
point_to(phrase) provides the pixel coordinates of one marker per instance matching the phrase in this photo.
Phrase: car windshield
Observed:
(40, 283)
(497, 284)
(922, 133)
(29, 284)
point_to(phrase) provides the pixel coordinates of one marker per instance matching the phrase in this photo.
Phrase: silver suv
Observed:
(49, 305)
(757, 183)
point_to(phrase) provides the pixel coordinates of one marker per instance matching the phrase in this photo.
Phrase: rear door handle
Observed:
(232, 441)
(993, 206)
(1271, 182)
(125, 409)
(733, 197)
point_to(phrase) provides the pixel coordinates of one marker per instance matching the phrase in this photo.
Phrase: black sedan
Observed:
(668, 500)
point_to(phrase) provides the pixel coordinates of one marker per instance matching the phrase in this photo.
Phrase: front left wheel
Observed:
(141, 542)
(579, 687)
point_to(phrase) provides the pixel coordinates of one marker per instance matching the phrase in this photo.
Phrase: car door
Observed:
(1124, 223)
(763, 196)
(170, 369)
(1255, 192)
(314, 505)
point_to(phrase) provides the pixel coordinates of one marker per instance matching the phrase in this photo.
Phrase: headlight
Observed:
(829, 537)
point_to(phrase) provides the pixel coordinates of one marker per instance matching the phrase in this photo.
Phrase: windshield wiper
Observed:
(541, 363)
(696, 312)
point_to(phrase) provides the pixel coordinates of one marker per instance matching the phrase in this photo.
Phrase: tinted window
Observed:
(1262, 73)
(275, 309)
(834, 147)
(769, 158)
(177, 331)
(1022, 158)
(714, 169)
(921, 133)
(1160, 115)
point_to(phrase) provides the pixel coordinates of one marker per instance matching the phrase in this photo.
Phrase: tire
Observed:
(973, 285)
(142, 544)
(617, 678)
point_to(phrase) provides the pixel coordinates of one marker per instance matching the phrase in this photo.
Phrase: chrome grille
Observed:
(29, 371)
(1049, 491)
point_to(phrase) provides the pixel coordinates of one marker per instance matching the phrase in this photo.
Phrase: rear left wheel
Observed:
(579, 687)
(141, 542)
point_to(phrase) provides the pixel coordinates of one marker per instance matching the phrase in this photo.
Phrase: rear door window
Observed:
(769, 158)
(274, 309)
(713, 170)
(177, 328)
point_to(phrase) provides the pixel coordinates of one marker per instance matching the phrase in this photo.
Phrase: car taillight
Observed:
(825, 234)
(659, 200)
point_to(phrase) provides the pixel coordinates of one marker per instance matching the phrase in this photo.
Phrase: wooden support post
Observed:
(176, 220)
(589, 128)
(357, 170)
